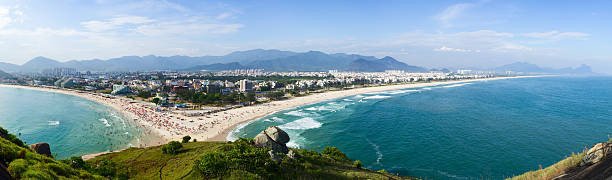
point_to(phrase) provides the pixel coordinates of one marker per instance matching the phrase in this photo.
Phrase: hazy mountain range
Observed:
(5, 75)
(269, 60)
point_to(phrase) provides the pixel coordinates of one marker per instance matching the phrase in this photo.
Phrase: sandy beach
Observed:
(163, 127)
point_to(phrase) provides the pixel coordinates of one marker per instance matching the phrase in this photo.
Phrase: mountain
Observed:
(525, 67)
(269, 60)
(5, 75)
(386, 63)
(8, 67)
(215, 67)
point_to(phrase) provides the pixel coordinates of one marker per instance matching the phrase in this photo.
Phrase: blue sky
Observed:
(478, 33)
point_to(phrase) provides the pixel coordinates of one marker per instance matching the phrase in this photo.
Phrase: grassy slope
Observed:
(26, 164)
(151, 163)
(551, 171)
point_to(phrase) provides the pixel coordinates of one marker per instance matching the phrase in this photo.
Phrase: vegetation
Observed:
(196, 160)
(234, 160)
(23, 163)
(186, 139)
(357, 164)
(172, 147)
(10, 137)
(553, 170)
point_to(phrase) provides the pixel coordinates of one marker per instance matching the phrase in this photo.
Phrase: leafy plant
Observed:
(186, 139)
(172, 147)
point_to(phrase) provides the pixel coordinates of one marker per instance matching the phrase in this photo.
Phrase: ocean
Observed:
(72, 126)
(477, 130)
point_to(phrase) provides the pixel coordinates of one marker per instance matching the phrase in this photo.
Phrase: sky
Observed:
(477, 33)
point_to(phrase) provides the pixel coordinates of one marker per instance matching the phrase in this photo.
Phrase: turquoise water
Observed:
(488, 129)
(71, 125)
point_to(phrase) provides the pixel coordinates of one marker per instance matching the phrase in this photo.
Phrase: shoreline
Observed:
(162, 127)
(150, 137)
(344, 93)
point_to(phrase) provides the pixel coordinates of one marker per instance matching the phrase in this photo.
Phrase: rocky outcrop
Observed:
(42, 148)
(595, 164)
(273, 138)
(596, 154)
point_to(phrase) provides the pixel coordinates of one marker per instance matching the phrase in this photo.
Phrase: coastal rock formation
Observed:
(42, 148)
(596, 154)
(595, 164)
(274, 138)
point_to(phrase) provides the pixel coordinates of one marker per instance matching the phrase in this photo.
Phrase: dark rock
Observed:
(4, 174)
(42, 148)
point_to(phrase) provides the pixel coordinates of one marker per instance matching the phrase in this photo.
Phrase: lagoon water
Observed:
(488, 129)
(72, 126)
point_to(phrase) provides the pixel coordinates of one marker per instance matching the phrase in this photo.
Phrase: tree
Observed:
(156, 100)
(250, 97)
(334, 153)
(186, 139)
(172, 147)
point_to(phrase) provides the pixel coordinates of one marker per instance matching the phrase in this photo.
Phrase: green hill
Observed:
(192, 160)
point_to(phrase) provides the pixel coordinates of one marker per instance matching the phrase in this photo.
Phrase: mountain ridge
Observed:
(269, 60)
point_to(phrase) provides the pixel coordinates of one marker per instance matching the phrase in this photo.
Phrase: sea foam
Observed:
(304, 123)
(377, 97)
(53, 123)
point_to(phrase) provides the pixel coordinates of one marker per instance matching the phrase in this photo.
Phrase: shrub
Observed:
(172, 147)
(212, 164)
(106, 168)
(77, 162)
(334, 153)
(357, 164)
(195, 140)
(10, 137)
(382, 171)
(186, 139)
(18, 167)
(237, 156)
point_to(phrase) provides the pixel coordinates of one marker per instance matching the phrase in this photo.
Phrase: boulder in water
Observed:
(42, 148)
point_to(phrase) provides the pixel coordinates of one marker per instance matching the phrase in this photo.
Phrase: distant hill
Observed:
(5, 75)
(269, 60)
(535, 69)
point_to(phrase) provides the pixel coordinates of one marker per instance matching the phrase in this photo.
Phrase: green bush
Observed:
(186, 139)
(106, 168)
(195, 140)
(172, 147)
(212, 164)
(10, 137)
(239, 155)
(18, 167)
(334, 153)
(357, 164)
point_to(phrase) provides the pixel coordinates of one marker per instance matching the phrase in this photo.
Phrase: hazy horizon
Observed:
(484, 33)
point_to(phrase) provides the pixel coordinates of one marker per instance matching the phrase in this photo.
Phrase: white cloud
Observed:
(455, 11)
(187, 27)
(114, 23)
(556, 35)
(5, 19)
(447, 49)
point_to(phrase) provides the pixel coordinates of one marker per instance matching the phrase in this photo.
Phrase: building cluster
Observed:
(230, 82)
